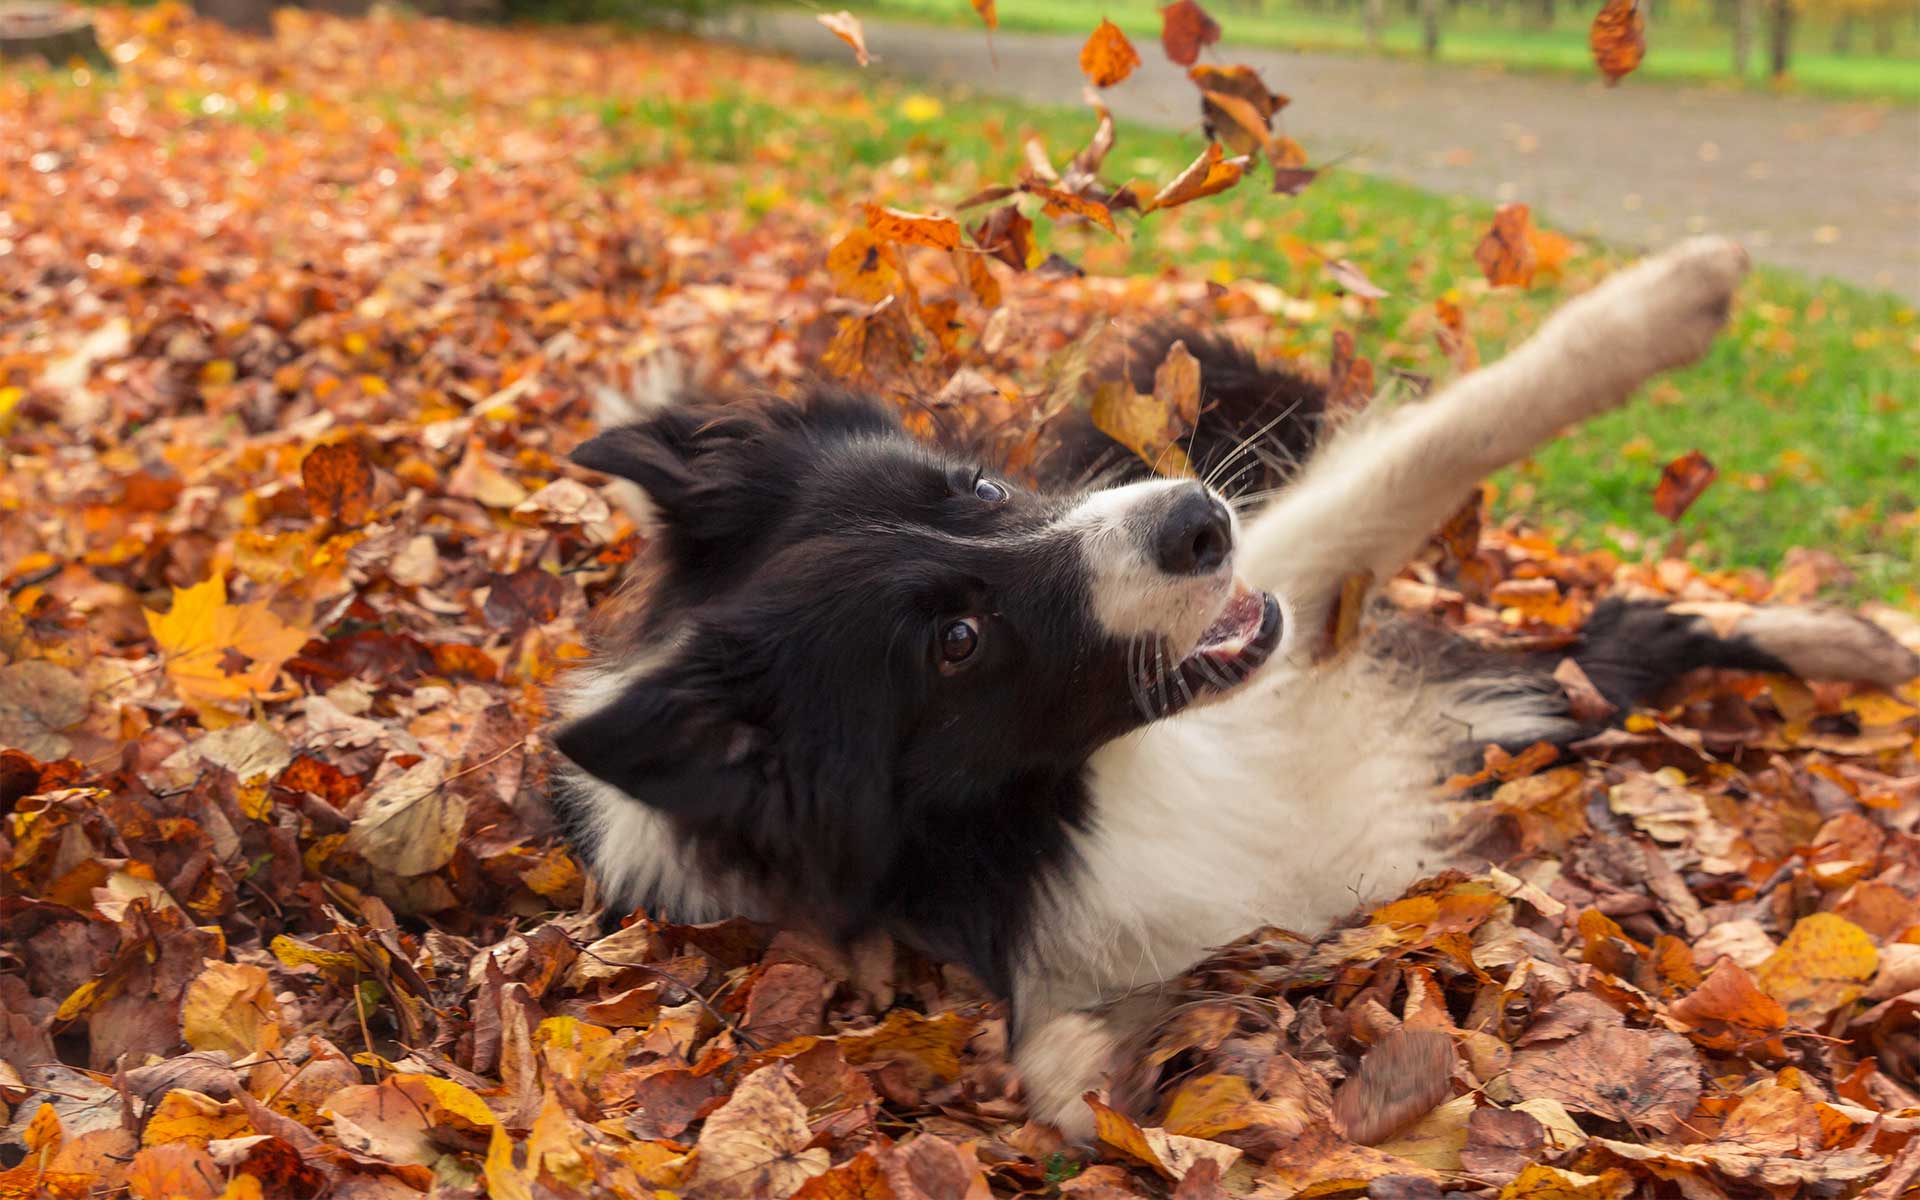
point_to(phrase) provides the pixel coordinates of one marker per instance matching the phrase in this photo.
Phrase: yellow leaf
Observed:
(1540, 1182)
(184, 1116)
(216, 651)
(1825, 962)
(1143, 425)
(230, 1007)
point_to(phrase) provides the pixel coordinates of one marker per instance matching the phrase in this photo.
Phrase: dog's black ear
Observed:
(665, 746)
(660, 452)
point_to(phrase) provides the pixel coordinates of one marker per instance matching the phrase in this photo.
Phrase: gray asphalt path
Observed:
(1824, 187)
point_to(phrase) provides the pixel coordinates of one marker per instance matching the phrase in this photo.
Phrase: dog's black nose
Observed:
(1195, 534)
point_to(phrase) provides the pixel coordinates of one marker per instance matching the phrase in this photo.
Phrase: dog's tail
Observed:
(1257, 425)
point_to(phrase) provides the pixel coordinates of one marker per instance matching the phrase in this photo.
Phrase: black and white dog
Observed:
(1074, 740)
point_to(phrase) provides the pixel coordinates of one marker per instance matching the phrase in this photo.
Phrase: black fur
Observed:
(805, 738)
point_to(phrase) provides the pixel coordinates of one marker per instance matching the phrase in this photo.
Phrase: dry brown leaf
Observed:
(756, 1144)
(411, 824)
(1646, 1078)
(1185, 30)
(1506, 254)
(339, 483)
(1681, 482)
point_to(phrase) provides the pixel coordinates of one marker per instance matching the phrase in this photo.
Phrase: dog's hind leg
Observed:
(1369, 499)
(1631, 649)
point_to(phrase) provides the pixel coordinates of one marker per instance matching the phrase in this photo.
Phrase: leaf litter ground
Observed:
(290, 555)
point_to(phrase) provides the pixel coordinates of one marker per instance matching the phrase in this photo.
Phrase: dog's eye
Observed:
(989, 491)
(958, 641)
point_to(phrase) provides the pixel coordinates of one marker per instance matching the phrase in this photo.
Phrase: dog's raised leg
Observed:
(1378, 489)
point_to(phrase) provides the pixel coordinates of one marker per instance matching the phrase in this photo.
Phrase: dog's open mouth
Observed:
(1237, 644)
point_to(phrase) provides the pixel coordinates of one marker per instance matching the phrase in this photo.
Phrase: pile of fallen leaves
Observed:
(289, 555)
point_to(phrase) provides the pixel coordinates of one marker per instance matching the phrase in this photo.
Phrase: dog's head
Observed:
(852, 635)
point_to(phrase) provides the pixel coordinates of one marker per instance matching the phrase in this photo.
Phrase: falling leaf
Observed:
(339, 483)
(1007, 235)
(845, 26)
(913, 229)
(1354, 280)
(411, 824)
(1108, 57)
(1207, 175)
(756, 1144)
(1506, 254)
(1681, 482)
(1618, 38)
(1062, 204)
(987, 13)
(196, 635)
(1185, 30)
(1824, 963)
(1584, 700)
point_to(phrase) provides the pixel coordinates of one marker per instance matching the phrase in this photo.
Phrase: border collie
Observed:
(1073, 739)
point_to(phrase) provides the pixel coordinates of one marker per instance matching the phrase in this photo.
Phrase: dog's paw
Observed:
(1674, 304)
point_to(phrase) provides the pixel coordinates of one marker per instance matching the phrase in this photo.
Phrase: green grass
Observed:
(1810, 408)
(1682, 46)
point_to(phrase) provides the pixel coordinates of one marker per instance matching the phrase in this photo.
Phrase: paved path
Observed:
(1826, 187)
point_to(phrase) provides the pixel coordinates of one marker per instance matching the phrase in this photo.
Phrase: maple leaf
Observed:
(200, 633)
(845, 26)
(1186, 29)
(1108, 57)
(1681, 483)
(1618, 39)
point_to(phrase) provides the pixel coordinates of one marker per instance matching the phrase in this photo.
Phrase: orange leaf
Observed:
(861, 267)
(1506, 254)
(913, 229)
(1185, 28)
(218, 651)
(1061, 204)
(1108, 57)
(1208, 175)
(846, 27)
(987, 13)
(1618, 39)
(339, 483)
(1681, 482)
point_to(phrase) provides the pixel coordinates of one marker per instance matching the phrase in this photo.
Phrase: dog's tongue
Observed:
(1238, 621)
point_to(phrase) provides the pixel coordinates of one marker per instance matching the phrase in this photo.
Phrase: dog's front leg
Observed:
(1380, 487)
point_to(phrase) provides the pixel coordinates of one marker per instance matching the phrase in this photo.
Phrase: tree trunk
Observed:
(49, 32)
(1742, 37)
(1546, 14)
(1782, 37)
(1883, 35)
(1376, 22)
(1430, 28)
(1843, 34)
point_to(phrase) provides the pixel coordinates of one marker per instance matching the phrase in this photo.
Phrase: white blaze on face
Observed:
(1132, 596)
